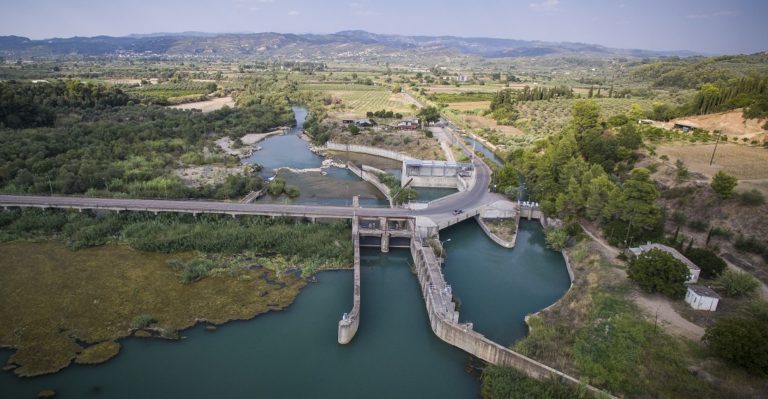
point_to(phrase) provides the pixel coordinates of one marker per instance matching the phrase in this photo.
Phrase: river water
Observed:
(294, 353)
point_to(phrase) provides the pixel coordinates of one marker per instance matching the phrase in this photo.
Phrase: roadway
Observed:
(441, 209)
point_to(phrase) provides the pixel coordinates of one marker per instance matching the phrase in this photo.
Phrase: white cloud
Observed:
(293, 12)
(546, 5)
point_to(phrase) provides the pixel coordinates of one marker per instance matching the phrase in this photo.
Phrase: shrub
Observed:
(276, 187)
(499, 382)
(750, 244)
(711, 265)
(292, 191)
(556, 238)
(698, 225)
(143, 321)
(740, 341)
(736, 283)
(723, 184)
(752, 198)
(658, 271)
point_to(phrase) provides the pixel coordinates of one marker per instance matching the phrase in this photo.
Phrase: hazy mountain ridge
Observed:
(343, 44)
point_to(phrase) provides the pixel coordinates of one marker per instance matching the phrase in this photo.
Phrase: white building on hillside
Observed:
(701, 298)
(693, 270)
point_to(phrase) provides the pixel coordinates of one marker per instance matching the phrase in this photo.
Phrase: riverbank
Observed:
(61, 306)
(596, 332)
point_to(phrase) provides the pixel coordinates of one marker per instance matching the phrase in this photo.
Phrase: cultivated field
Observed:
(543, 118)
(208, 106)
(742, 161)
(356, 100)
(470, 105)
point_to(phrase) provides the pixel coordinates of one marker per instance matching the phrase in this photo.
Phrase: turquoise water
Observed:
(497, 287)
(294, 354)
(288, 354)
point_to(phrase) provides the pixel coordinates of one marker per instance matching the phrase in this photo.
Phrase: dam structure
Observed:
(379, 227)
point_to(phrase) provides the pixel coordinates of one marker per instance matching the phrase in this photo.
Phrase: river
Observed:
(294, 353)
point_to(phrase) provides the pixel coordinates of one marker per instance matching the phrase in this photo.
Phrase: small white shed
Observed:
(701, 297)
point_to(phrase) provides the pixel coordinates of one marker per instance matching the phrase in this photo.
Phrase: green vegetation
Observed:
(468, 96)
(711, 265)
(723, 184)
(429, 114)
(658, 271)
(752, 198)
(310, 244)
(101, 146)
(500, 382)
(596, 333)
(556, 238)
(143, 321)
(399, 194)
(111, 291)
(737, 283)
(579, 173)
(742, 342)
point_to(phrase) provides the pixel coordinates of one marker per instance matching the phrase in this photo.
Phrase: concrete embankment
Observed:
(498, 240)
(368, 173)
(443, 319)
(366, 150)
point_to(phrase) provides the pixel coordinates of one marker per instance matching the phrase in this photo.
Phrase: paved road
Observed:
(438, 210)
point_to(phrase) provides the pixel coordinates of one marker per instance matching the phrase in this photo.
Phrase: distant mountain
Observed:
(337, 46)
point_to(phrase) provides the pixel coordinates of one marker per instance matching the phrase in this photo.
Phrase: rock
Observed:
(701, 374)
(142, 334)
(46, 394)
(210, 327)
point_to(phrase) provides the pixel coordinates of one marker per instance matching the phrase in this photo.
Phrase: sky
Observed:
(708, 26)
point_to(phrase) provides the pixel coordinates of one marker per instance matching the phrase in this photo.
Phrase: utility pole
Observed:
(713, 151)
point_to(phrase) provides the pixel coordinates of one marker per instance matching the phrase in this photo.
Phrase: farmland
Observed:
(356, 99)
(742, 161)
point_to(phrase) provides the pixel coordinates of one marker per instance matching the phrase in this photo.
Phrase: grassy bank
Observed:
(61, 306)
(75, 283)
(596, 333)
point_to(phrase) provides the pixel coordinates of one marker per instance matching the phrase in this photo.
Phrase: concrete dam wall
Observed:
(444, 321)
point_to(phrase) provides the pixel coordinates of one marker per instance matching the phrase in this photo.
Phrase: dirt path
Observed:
(657, 307)
(610, 252)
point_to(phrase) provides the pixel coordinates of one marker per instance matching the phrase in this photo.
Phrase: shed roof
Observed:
(703, 291)
(677, 255)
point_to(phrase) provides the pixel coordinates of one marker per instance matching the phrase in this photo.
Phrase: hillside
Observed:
(730, 123)
(351, 45)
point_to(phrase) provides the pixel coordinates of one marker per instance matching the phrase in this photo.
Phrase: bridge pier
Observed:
(351, 321)
(384, 225)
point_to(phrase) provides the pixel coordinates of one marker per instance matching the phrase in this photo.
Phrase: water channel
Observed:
(294, 353)
(483, 150)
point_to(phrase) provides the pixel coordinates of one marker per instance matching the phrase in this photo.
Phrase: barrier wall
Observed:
(351, 321)
(444, 318)
(367, 150)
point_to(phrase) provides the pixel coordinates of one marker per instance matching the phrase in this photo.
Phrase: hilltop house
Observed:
(693, 270)
(685, 126)
(701, 298)
(408, 124)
